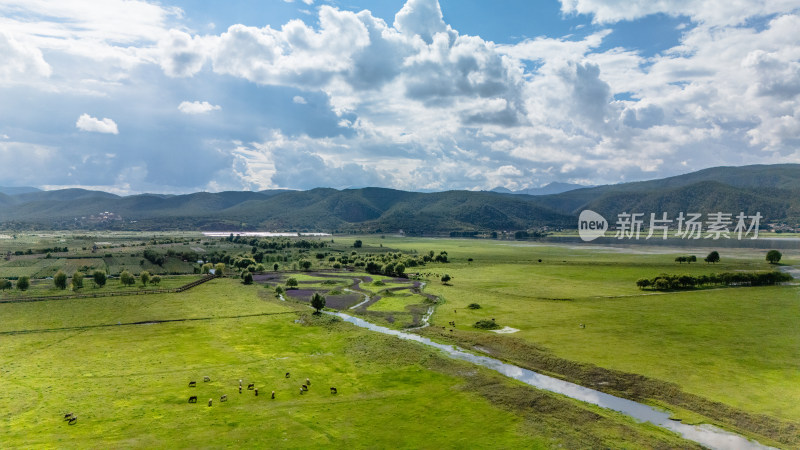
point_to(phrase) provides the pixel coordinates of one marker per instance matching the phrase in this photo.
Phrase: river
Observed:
(706, 435)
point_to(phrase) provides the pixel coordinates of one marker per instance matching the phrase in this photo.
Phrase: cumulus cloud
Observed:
(716, 12)
(92, 124)
(21, 61)
(181, 54)
(197, 107)
(415, 104)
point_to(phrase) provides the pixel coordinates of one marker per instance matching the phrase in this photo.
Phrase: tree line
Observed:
(666, 282)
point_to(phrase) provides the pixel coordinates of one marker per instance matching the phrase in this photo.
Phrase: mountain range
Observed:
(772, 190)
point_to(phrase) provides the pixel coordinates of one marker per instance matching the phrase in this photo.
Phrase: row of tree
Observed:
(665, 282)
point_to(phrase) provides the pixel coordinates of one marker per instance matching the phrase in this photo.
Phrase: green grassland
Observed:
(738, 346)
(46, 288)
(124, 372)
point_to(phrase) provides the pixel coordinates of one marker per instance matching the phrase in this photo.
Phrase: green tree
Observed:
(219, 269)
(155, 280)
(60, 280)
(206, 268)
(4, 284)
(291, 283)
(77, 280)
(247, 278)
(144, 277)
(445, 278)
(23, 283)
(99, 278)
(691, 259)
(126, 278)
(712, 257)
(275, 267)
(680, 259)
(358, 243)
(774, 256)
(317, 302)
(279, 290)
(305, 264)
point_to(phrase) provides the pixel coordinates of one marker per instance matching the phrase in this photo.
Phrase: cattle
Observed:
(334, 391)
(287, 374)
(301, 391)
(273, 395)
(192, 383)
(582, 325)
(73, 420)
(210, 401)
(224, 398)
(251, 386)
(193, 399)
(240, 382)
(308, 382)
(206, 379)
(256, 392)
(68, 416)
(304, 387)
(240, 389)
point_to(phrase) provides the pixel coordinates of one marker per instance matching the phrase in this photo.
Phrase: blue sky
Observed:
(183, 96)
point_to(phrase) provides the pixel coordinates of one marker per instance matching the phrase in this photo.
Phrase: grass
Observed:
(46, 288)
(736, 346)
(128, 384)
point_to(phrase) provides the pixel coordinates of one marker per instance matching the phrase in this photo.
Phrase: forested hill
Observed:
(772, 190)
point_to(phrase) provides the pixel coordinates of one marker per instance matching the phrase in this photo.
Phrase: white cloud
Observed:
(21, 61)
(716, 12)
(181, 54)
(197, 107)
(88, 123)
(421, 106)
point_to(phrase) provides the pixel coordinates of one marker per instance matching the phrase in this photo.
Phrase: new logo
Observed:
(591, 225)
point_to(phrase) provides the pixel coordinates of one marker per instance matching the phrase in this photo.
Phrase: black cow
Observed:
(251, 386)
(192, 383)
(193, 399)
(334, 391)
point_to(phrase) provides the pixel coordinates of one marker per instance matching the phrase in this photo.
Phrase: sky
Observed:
(178, 96)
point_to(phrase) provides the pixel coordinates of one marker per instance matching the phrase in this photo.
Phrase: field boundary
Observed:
(185, 287)
(143, 322)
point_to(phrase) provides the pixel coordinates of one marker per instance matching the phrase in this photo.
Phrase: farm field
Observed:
(123, 364)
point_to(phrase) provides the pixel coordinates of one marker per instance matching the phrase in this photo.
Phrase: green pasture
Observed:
(124, 372)
(739, 346)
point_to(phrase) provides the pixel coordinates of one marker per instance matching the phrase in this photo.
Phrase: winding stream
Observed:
(706, 435)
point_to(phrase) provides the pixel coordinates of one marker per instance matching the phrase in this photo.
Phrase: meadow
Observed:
(726, 356)
(123, 364)
(737, 346)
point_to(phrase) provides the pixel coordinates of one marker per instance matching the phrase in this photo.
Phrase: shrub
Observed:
(474, 306)
(486, 324)
(60, 280)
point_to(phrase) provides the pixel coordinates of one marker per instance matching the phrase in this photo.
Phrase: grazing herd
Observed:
(250, 387)
(72, 419)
